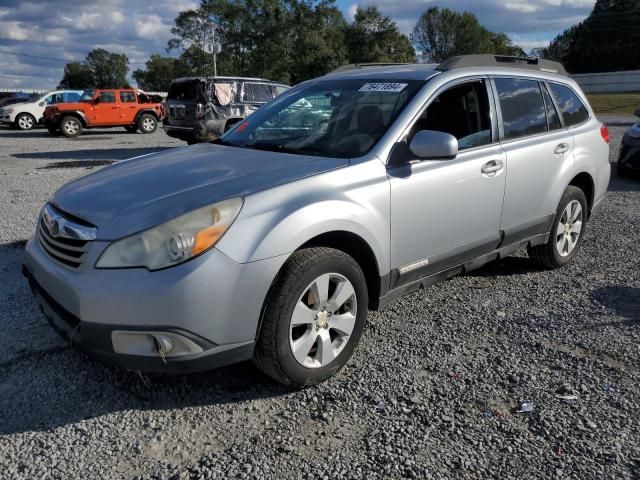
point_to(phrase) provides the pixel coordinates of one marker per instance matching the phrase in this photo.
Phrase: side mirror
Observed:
(41, 104)
(432, 145)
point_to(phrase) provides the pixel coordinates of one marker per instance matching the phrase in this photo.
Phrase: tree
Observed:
(286, 40)
(373, 37)
(605, 41)
(77, 76)
(159, 73)
(109, 69)
(440, 34)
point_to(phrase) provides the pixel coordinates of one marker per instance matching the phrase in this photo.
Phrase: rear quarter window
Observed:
(523, 110)
(571, 107)
(257, 92)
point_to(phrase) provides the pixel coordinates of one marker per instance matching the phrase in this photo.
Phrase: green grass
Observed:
(614, 103)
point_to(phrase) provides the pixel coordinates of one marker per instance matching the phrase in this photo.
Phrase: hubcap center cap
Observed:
(323, 319)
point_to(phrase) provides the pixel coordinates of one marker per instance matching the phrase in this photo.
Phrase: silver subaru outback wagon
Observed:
(346, 192)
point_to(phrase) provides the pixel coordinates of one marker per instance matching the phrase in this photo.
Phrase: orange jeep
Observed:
(130, 109)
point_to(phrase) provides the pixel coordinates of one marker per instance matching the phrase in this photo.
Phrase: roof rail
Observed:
(356, 66)
(487, 60)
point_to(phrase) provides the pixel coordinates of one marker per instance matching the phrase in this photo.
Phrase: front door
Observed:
(106, 110)
(446, 212)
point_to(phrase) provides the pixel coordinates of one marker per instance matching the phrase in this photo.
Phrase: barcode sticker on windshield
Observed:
(383, 87)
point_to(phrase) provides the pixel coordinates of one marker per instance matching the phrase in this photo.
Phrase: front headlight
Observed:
(7, 111)
(634, 132)
(174, 242)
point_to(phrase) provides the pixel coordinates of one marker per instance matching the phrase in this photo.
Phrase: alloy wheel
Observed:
(569, 228)
(322, 321)
(25, 122)
(71, 127)
(148, 124)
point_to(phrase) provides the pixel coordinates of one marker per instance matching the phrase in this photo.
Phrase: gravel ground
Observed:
(431, 392)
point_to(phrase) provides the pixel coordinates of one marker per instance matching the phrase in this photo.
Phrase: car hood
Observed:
(136, 194)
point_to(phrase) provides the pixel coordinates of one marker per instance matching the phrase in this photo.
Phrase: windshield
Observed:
(331, 118)
(87, 95)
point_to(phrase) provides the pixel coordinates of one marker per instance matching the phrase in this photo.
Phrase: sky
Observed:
(66, 30)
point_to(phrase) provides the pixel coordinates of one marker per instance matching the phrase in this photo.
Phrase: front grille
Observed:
(67, 251)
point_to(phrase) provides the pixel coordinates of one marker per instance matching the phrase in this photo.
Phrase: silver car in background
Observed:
(346, 192)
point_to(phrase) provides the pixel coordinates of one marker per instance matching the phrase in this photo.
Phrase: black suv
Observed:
(202, 109)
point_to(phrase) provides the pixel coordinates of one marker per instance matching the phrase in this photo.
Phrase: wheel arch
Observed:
(74, 113)
(143, 111)
(356, 247)
(584, 181)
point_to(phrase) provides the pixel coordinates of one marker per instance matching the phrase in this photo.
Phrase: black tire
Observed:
(273, 354)
(131, 128)
(147, 123)
(70, 126)
(54, 131)
(548, 254)
(25, 121)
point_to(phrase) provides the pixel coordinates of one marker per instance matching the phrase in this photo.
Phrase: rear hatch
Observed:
(182, 101)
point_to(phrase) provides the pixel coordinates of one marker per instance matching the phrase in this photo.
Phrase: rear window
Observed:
(523, 111)
(571, 108)
(185, 91)
(257, 92)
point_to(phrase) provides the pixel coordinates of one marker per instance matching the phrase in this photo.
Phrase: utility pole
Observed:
(210, 44)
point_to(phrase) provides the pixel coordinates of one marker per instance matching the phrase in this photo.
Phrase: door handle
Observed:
(561, 149)
(492, 167)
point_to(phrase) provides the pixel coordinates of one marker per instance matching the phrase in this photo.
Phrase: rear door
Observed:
(128, 106)
(107, 108)
(182, 103)
(538, 150)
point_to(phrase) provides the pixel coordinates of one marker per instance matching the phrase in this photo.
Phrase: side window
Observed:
(571, 108)
(70, 97)
(522, 106)
(553, 120)
(463, 111)
(53, 99)
(257, 92)
(107, 97)
(127, 97)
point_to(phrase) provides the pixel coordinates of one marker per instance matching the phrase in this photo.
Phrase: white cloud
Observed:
(150, 27)
(13, 31)
(351, 13)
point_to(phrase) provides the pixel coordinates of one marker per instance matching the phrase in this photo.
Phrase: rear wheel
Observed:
(147, 123)
(313, 317)
(131, 128)
(25, 121)
(71, 127)
(567, 231)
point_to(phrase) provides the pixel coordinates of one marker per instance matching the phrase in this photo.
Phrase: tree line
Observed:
(289, 41)
(607, 40)
(294, 40)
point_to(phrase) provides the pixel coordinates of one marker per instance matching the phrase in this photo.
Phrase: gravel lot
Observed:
(432, 391)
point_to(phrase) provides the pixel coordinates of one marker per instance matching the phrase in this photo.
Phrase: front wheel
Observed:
(147, 123)
(25, 121)
(567, 231)
(71, 127)
(313, 317)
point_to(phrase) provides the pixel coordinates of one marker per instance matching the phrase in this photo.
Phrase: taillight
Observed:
(604, 131)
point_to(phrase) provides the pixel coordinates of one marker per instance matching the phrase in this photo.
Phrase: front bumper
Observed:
(211, 301)
(629, 157)
(181, 133)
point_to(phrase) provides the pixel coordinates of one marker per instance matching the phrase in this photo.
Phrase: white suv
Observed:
(27, 115)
